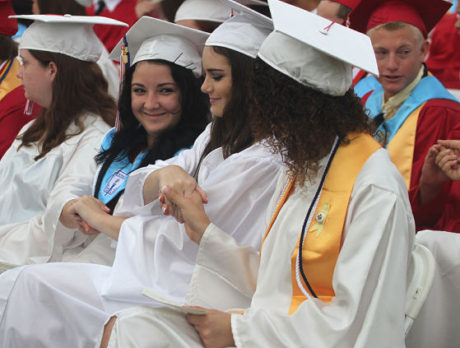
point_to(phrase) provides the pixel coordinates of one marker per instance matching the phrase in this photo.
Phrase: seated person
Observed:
(410, 107)
(12, 101)
(162, 111)
(52, 160)
(237, 172)
(332, 267)
(122, 10)
(444, 57)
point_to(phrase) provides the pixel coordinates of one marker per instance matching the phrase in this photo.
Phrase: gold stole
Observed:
(323, 240)
(401, 146)
(10, 82)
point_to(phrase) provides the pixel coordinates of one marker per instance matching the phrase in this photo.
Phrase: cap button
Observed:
(67, 15)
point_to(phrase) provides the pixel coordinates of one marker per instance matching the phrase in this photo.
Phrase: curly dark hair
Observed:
(131, 139)
(299, 122)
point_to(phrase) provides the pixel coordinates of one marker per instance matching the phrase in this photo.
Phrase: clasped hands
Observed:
(83, 213)
(181, 197)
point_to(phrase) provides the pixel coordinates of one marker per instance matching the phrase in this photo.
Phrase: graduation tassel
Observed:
(124, 65)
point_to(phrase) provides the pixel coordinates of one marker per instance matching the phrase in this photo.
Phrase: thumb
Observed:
(170, 195)
(204, 196)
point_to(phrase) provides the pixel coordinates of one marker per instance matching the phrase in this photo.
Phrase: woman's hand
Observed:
(89, 209)
(175, 178)
(68, 217)
(190, 210)
(214, 328)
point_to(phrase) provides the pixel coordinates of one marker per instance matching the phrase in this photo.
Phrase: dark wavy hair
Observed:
(299, 122)
(61, 7)
(231, 131)
(131, 139)
(9, 48)
(78, 87)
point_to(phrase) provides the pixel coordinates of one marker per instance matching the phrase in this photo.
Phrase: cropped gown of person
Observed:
(153, 251)
(368, 280)
(34, 193)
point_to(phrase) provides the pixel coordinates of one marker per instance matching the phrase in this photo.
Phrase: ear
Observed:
(425, 49)
(52, 70)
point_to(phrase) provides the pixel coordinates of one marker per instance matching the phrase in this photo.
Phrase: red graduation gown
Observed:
(439, 119)
(444, 58)
(110, 34)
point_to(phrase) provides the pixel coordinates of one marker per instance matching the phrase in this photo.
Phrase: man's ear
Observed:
(425, 49)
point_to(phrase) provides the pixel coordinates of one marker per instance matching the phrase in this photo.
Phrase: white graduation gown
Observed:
(34, 193)
(98, 249)
(152, 251)
(369, 278)
(110, 72)
(438, 323)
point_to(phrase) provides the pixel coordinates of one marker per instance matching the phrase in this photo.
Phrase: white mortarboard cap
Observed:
(202, 10)
(69, 35)
(150, 38)
(85, 3)
(315, 51)
(244, 32)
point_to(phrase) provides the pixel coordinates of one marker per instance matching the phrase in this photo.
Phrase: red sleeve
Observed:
(444, 58)
(12, 117)
(109, 34)
(351, 4)
(439, 119)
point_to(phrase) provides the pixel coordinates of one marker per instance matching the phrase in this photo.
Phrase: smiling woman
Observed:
(155, 98)
(153, 250)
(218, 80)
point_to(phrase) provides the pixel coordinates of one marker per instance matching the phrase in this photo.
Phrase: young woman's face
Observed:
(155, 98)
(37, 79)
(218, 80)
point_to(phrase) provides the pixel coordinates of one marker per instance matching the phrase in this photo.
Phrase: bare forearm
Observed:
(110, 226)
(150, 190)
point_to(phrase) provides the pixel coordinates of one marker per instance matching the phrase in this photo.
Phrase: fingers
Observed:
(452, 144)
(447, 160)
(85, 228)
(434, 150)
(196, 320)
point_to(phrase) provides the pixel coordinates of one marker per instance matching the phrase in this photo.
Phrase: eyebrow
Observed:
(166, 84)
(159, 85)
(214, 69)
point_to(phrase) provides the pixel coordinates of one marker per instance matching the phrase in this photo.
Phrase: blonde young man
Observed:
(411, 108)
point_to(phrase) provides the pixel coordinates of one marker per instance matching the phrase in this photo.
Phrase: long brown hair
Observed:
(232, 131)
(78, 87)
(300, 122)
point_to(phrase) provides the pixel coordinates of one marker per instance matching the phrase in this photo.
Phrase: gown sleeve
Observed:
(154, 251)
(36, 240)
